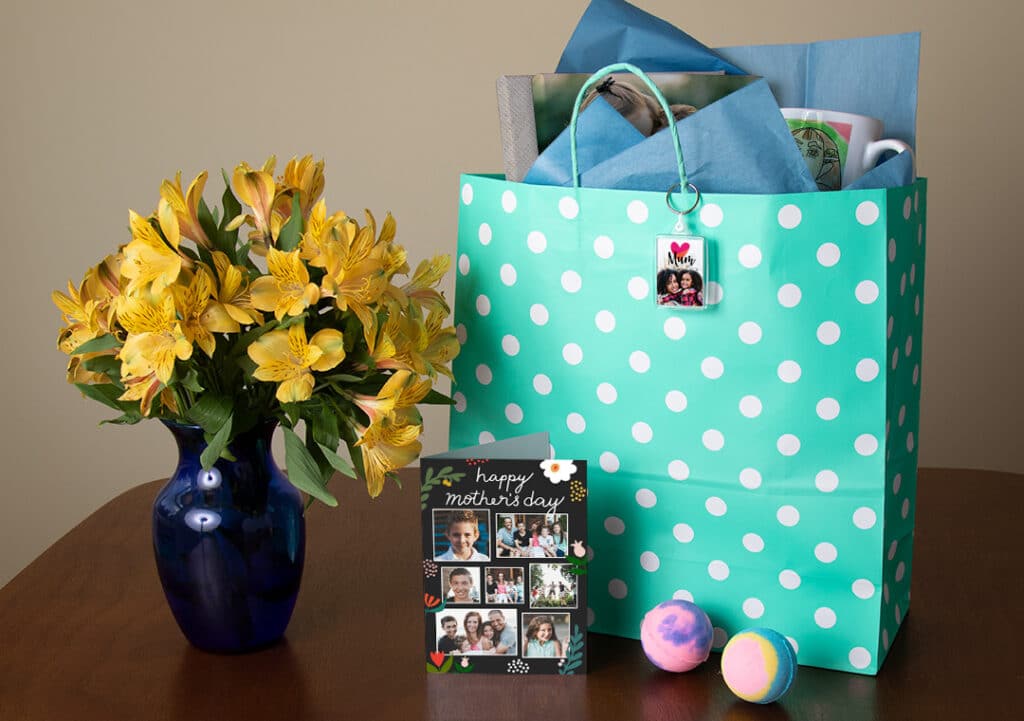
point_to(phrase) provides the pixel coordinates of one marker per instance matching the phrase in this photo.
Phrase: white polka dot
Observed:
(895, 358)
(467, 194)
(915, 200)
(642, 432)
(885, 592)
(508, 201)
(609, 462)
(674, 328)
(792, 642)
(483, 305)
(637, 211)
(750, 478)
(460, 402)
(753, 543)
(825, 617)
(788, 516)
(682, 532)
(906, 209)
(789, 216)
(461, 334)
(604, 247)
(713, 295)
(676, 401)
(867, 291)
(713, 440)
(893, 547)
(892, 250)
(508, 274)
(649, 561)
(913, 272)
(484, 375)
(903, 284)
(828, 254)
(537, 241)
(510, 344)
(542, 384)
(514, 413)
(719, 637)
(908, 347)
(910, 442)
(789, 580)
(590, 617)
(614, 525)
(539, 314)
(753, 608)
(825, 552)
(885, 639)
(828, 409)
(867, 213)
(789, 295)
(828, 332)
(897, 481)
(826, 481)
(901, 571)
(750, 332)
(917, 305)
(917, 374)
(485, 234)
(898, 614)
(464, 264)
(889, 327)
(867, 370)
(712, 367)
(920, 234)
(750, 256)
(718, 570)
(711, 215)
(683, 595)
(485, 437)
(750, 406)
(716, 506)
(576, 423)
(605, 321)
(572, 354)
(788, 444)
(789, 371)
(860, 657)
(571, 281)
(607, 394)
(863, 588)
(568, 207)
(617, 588)
(639, 361)
(864, 518)
(678, 470)
(638, 287)
(645, 498)
(866, 444)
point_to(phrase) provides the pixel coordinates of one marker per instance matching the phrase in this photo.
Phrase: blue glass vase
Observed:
(229, 543)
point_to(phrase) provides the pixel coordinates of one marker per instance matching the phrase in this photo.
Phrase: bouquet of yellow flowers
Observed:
(326, 334)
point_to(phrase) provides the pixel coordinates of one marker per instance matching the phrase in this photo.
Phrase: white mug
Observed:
(838, 147)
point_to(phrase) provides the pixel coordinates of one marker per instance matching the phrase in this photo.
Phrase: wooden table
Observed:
(85, 632)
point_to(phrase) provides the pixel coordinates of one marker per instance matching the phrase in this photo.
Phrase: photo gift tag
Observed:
(681, 271)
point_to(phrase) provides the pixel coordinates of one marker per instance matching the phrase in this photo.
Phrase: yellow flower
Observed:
(155, 338)
(284, 357)
(441, 345)
(386, 446)
(232, 306)
(186, 206)
(305, 178)
(256, 189)
(148, 258)
(142, 389)
(322, 244)
(421, 286)
(287, 290)
(402, 390)
(355, 277)
(198, 314)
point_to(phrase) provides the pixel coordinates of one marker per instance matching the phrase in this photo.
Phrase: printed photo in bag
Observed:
(681, 271)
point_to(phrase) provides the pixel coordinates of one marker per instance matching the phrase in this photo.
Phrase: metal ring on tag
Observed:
(674, 209)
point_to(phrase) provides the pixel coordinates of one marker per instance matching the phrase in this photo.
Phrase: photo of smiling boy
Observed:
(461, 586)
(462, 532)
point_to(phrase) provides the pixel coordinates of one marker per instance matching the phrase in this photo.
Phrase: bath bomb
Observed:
(758, 665)
(676, 635)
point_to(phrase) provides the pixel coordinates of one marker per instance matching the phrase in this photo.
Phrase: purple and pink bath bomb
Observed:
(676, 635)
(758, 665)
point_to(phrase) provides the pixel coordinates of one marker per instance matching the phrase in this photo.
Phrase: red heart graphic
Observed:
(680, 249)
(437, 658)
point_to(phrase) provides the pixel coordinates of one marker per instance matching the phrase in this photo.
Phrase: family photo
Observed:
(461, 585)
(504, 585)
(477, 632)
(545, 635)
(531, 535)
(460, 535)
(552, 585)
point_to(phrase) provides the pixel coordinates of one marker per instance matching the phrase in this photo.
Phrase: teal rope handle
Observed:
(597, 77)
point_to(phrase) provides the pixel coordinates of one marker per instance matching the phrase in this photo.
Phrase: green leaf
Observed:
(232, 208)
(106, 364)
(211, 412)
(104, 342)
(127, 419)
(207, 222)
(325, 429)
(437, 398)
(105, 393)
(288, 238)
(337, 462)
(191, 381)
(303, 471)
(216, 446)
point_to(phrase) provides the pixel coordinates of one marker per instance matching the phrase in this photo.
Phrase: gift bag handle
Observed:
(669, 116)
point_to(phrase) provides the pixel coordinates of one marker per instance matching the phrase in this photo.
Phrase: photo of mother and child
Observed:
(532, 535)
(479, 637)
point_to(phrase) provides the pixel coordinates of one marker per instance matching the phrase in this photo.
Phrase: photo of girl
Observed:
(461, 585)
(552, 585)
(544, 635)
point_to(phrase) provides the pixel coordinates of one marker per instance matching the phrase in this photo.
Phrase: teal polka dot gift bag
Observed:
(756, 453)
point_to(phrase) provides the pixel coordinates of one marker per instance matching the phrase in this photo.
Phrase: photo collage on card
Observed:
(504, 570)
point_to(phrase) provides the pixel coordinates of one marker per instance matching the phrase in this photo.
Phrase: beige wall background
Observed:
(104, 99)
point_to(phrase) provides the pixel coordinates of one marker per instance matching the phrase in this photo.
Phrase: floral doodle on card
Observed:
(558, 471)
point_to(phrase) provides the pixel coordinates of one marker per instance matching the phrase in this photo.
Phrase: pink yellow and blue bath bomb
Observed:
(758, 665)
(676, 635)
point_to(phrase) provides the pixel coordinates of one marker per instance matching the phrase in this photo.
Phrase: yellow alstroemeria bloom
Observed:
(142, 389)
(402, 390)
(186, 206)
(386, 446)
(79, 313)
(148, 258)
(287, 290)
(304, 177)
(421, 286)
(232, 306)
(256, 188)
(155, 338)
(199, 321)
(286, 358)
(322, 245)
